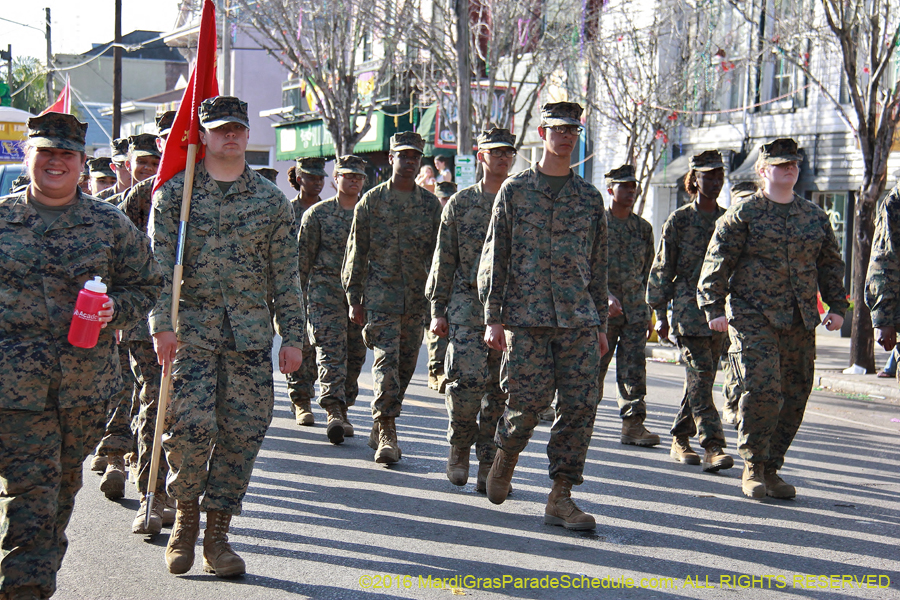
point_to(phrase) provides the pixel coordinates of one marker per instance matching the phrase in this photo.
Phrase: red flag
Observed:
(63, 103)
(202, 85)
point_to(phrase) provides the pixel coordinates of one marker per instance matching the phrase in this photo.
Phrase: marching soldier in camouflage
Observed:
(542, 280)
(145, 369)
(883, 278)
(54, 238)
(437, 345)
(142, 163)
(629, 315)
(102, 176)
(338, 343)
(240, 275)
(766, 260)
(673, 278)
(308, 178)
(389, 251)
(123, 175)
(474, 398)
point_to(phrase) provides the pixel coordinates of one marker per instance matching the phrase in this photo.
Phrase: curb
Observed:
(848, 384)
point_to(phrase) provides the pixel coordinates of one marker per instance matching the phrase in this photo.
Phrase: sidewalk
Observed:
(832, 357)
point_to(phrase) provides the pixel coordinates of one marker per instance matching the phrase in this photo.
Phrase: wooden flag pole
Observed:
(176, 296)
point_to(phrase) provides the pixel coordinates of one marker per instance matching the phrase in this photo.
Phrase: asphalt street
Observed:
(325, 521)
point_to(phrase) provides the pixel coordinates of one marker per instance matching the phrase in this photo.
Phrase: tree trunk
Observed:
(862, 348)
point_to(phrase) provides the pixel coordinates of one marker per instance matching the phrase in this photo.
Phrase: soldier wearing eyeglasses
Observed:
(542, 279)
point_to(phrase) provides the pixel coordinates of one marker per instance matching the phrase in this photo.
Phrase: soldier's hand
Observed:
(358, 314)
(604, 343)
(439, 327)
(719, 324)
(289, 359)
(833, 322)
(662, 329)
(886, 337)
(106, 312)
(615, 307)
(165, 343)
(495, 338)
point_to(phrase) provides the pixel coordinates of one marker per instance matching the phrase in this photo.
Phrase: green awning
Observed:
(312, 138)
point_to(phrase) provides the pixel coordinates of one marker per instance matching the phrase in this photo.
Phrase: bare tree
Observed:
(348, 52)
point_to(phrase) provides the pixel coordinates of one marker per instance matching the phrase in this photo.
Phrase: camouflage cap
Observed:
(57, 130)
(707, 161)
(215, 112)
(120, 150)
(350, 164)
(496, 137)
(143, 144)
(20, 183)
(101, 167)
(622, 174)
(743, 189)
(407, 140)
(782, 150)
(561, 113)
(445, 189)
(164, 123)
(312, 165)
(269, 173)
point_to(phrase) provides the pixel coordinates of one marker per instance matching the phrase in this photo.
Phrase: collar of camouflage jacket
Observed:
(246, 183)
(80, 214)
(573, 186)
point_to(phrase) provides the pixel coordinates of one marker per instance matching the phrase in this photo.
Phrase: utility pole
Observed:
(48, 83)
(463, 78)
(9, 67)
(226, 50)
(117, 75)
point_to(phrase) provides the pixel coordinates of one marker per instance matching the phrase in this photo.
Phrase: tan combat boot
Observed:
(113, 482)
(635, 434)
(434, 382)
(139, 525)
(753, 481)
(388, 450)
(98, 464)
(458, 465)
(561, 509)
(335, 427)
(484, 468)
(500, 476)
(303, 414)
(348, 427)
(775, 485)
(218, 557)
(682, 451)
(548, 415)
(714, 459)
(180, 549)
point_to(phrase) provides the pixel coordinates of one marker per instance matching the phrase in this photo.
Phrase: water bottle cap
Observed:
(95, 285)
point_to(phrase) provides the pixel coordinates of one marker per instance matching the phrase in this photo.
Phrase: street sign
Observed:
(465, 170)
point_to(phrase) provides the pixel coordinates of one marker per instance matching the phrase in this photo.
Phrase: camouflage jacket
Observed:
(41, 272)
(631, 241)
(106, 194)
(298, 210)
(136, 206)
(883, 279)
(544, 260)
(676, 268)
(389, 250)
(453, 281)
(240, 253)
(323, 240)
(764, 264)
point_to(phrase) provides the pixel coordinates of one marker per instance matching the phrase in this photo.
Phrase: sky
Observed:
(76, 25)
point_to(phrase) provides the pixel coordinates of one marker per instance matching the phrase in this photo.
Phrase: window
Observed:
(257, 158)
(835, 206)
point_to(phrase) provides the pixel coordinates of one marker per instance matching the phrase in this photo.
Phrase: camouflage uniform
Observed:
(239, 254)
(474, 398)
(437, 346)
(385, 267)
(883, 279)
(54, 395)
(762, 270)
(551, 323)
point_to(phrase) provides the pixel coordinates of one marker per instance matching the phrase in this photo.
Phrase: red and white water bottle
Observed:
(85, 328)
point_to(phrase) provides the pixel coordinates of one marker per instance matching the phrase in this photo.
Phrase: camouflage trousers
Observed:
(627, 342)
(730, 388)
(474, 399)
(340, 354)
(698, 414)
(118, 439)
(395, 341)
(538, 362)
(41, 456)
(301, 384)
(221, 408)
(774, 369)
(437, 352)
(147, 373)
